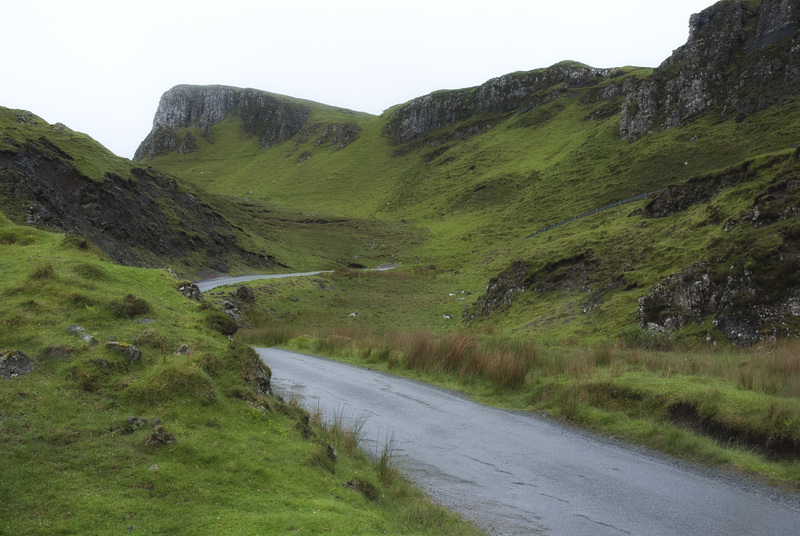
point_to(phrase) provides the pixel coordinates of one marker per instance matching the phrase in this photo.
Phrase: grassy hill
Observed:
(77, 432)
(663, 321)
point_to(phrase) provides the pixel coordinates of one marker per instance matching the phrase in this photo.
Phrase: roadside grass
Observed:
(728, 407)
(241, 462)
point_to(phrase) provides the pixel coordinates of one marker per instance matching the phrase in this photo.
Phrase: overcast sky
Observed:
(100, 67)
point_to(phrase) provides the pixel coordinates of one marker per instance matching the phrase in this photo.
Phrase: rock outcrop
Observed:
(518, 93)
(270, 118)
(739, 58)
(743, 309)
(14, 363)
(131, 218)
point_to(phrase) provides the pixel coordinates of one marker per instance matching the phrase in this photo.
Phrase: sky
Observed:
(100, 67)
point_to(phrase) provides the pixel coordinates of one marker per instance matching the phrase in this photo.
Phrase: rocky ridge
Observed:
(268, 117)
(739, 58)
(131, 219)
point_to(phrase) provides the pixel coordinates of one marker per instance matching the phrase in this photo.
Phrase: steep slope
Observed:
(482, 167)
(53, 177)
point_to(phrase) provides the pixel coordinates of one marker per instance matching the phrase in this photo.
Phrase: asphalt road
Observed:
(514, 473)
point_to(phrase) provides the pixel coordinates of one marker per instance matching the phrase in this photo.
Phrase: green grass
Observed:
(242, 463)
(733, 408)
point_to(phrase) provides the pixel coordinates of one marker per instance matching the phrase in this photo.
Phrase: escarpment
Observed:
(738, 59)
(267, 117)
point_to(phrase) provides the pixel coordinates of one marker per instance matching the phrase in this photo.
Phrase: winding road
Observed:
(514, 473)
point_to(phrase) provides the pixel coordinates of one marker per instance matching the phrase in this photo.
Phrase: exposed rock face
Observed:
(738, 59)
(572, 273)
(131, 218)
(743, 309)
(269, 117)
(13, 363)
(338, 136)
(697, 190)
(510, 93)
(128, 351)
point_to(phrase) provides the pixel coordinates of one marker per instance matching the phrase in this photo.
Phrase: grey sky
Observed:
(100, 67)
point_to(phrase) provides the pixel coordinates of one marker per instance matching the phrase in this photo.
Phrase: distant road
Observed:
(513, 473)
(208, 284)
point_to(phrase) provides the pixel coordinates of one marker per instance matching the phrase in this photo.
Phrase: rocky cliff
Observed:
(740, 57)
(136, 215)
(518, 92)
(268, 117)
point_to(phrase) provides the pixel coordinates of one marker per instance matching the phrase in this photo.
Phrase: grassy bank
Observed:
(84, 453)
(729, 407)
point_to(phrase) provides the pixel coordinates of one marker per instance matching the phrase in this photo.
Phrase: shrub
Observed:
(129, 307)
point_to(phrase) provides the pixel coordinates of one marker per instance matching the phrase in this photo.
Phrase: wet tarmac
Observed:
(515, 473)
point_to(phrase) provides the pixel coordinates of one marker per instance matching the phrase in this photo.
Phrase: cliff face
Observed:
(518, 93)
(738, 59)
(265, 116)
(136, 215)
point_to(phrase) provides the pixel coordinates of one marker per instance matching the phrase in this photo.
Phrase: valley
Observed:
(669, 321)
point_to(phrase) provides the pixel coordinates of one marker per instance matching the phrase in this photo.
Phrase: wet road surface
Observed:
(513, 473)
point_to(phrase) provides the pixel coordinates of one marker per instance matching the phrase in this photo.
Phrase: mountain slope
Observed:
(482, 167)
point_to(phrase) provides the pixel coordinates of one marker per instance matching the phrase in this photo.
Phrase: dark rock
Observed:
(159, 437)
(54, 351)
(246, 294)
(263, 378)
(367, 489)
(518, 92)
(188, 145)
(133, 423)
(746, 306)
(129, 351)
(129, 217)
(14, 363)
(269, 118)
(190, 290)
(739, 58)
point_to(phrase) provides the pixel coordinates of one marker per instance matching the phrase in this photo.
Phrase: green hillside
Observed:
(84, 454)
(669, 321)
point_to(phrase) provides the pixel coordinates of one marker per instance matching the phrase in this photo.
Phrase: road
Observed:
(208, 284)
(514, 473)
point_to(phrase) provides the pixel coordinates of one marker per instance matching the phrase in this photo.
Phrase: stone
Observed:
(183, 349)
(159, 437)
(14, 363)
(133, 423)
(191, 291)
(263, 378)
(129, 351)
(246, 294)
(82, 334)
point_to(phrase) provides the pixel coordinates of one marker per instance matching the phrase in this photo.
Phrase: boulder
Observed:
(183, 349)
(159, 437)
(13, 363)
(246, 294)
(129, 351)
(82, 334)
(191, 291)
